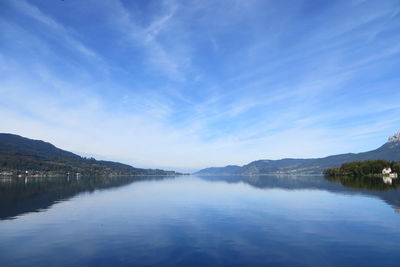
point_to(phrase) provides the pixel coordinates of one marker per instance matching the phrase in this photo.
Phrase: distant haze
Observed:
(172, 85)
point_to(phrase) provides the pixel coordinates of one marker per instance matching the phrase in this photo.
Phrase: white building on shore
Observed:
(387, 172)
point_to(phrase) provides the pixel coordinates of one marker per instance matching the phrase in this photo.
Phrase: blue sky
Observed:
(190, 84)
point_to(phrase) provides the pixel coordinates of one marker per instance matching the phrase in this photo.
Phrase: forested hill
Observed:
(390, 151)
(19, 154)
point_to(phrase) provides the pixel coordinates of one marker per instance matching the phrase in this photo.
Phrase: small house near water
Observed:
(387, 172)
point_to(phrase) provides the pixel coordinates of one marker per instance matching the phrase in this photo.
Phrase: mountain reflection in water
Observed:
(22, 195)
(19, 196)
(199, 221)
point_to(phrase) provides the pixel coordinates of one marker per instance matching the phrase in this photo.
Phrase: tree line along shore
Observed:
(373, 168)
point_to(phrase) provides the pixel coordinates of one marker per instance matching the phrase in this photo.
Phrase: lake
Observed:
(199, 221)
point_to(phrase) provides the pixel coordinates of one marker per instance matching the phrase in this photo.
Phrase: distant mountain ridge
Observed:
(389, 151)
(19, 154)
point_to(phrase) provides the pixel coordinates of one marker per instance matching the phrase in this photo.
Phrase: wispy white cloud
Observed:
(67, 35)
(170, 61)
(207, 84)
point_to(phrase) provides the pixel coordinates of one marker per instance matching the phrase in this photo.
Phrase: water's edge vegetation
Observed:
(368, 168)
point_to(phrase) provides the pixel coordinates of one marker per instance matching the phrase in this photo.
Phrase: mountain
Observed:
(230, 169)
(389, 151)
(19, 154)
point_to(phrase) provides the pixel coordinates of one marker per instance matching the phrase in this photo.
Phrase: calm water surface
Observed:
(199, 221)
